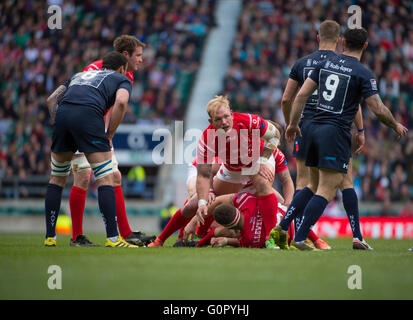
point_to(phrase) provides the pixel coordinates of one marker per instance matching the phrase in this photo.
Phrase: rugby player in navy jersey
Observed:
(328, 38)
(79, 125)
(342, 82)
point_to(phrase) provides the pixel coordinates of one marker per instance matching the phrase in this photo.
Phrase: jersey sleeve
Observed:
(294, 73)
(258, 123)
(126, 84)
(91, 66)
(280, 161)
(243, 200)
(205, 148)
(316, 72)
(368, 84)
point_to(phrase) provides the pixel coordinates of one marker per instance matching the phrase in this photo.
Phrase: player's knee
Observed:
(59, 173)
(262, 185)
(81, 179)
(117, 178)
(103, 172)
(58, 180)
(347, 183)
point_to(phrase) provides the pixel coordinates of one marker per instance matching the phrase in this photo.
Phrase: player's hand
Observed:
(189, 230)
(400, 130)
(266, 172)
(360, 141)
(201, 213)
(219, 242)
(291, 132)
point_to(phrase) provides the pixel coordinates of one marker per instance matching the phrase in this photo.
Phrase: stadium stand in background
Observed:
(34, 60)
(271, 36)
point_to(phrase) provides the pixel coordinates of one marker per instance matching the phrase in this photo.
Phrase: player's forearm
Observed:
(53, 100)
(386, 117)
(117, 114)
(381, 111)
(288, 191)
(232, 242)
(297, 109)
(358, 121)
(287, 99)
(203, 181)
(286, 110)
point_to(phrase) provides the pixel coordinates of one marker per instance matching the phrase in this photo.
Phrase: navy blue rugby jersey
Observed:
(302, 68)
(342, 82)
(95, 89)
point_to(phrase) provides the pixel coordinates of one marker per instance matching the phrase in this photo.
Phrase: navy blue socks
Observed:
(52, 207)
(296, 207)
(107, 206)
(350, 203)
(312, 212)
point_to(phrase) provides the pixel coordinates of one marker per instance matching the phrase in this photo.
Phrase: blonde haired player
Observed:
(245, 143)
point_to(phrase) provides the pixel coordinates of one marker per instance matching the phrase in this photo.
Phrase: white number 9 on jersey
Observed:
(331, 85)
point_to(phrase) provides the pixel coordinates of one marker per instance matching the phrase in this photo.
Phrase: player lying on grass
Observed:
(239, 223)
(282, 173)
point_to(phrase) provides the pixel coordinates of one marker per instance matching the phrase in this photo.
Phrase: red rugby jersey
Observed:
(97, 65)
(239, 143)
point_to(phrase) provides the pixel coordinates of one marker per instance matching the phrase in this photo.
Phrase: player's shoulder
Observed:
(248, 120)
(95, 65)
(242, 198)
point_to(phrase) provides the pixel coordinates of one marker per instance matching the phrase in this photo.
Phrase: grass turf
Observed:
(202, 273)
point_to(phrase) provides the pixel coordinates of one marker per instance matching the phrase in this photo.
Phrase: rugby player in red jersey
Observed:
(283, 174)
(132, 48)
(245, 143)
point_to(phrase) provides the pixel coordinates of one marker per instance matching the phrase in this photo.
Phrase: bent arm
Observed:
(203, 180)
(118, 112)
(287, 185)
(53, 99)
(381, 111)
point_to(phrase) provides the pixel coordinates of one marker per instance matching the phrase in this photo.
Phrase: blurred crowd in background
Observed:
(34, 60)
(271, 36)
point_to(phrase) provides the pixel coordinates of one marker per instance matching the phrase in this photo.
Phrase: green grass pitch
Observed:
(202, 273)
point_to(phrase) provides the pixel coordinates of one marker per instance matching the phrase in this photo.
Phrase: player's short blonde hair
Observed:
(329, 31)
(215, 103)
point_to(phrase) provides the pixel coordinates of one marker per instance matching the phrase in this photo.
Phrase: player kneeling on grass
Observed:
(79, 125)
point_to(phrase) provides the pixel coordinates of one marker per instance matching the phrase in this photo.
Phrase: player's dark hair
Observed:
(127, 43)
(329, 31)
(225, 214)
(113, 60)
(355, 39)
